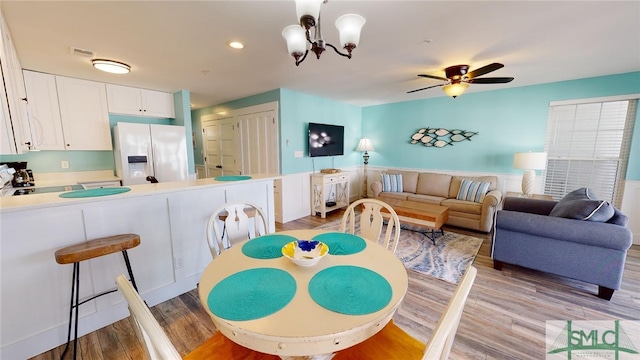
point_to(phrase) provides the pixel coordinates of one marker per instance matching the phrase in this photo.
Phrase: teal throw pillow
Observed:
(392, 182)
(473, 190)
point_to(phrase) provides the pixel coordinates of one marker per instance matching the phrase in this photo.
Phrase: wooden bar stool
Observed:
(74, 254)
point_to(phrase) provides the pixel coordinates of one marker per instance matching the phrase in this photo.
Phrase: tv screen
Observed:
(326, 140)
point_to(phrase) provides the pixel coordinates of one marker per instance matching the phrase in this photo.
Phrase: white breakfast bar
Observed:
(170, 219)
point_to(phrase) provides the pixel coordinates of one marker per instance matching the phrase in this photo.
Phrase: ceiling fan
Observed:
(458, 78)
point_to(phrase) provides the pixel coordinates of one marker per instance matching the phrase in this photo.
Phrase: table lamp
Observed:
(365, 145)
(530, 162)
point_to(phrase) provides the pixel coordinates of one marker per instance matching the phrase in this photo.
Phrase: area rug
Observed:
(447, 260)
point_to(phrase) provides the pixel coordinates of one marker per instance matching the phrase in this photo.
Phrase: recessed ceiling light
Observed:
(111, 66)
(235, 44)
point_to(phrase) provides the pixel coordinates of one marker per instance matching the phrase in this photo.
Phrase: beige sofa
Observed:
(442, 189)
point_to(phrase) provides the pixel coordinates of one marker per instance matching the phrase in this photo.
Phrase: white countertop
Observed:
(38, 201)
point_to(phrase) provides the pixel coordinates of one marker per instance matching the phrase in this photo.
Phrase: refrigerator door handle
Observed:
(152, 165)
(155, 160)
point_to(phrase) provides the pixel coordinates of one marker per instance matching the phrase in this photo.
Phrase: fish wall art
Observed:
(439, 137)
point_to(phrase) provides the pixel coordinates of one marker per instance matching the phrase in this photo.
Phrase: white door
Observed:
(259, 134)
(229, 147)
(169, 146)
(220, 137)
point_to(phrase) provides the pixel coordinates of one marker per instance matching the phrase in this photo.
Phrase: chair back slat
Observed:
(230, 224)
(371, 222)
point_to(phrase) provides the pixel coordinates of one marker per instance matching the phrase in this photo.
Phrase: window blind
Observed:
(587, 145)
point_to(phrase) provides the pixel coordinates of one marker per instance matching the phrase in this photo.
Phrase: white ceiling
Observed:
(170, 43)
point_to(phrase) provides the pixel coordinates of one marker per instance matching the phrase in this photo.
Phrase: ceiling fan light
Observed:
(350, 26)
(306, 8)
(296, 39)
(455, 90)
(111, 66)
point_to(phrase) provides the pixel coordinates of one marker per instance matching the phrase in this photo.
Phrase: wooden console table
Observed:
(532, 196)
(332, 189)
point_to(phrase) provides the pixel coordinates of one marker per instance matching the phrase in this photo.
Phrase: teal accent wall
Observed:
(507, 121)
(266, 97)
(297, 110)
(49, 161)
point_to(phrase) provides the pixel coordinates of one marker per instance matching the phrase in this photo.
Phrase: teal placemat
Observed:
(350, 290)
(252, 294)
(94, 192)
(232, 178)
(342, 243)
(267, 246)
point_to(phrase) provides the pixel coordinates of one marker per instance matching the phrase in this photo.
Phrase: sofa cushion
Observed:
(394, 196)
(409, 180)
(427, 199)
(433, 184)
(462, 206)
(456, 181)
(392, 182)
(581, 204)
(473, 190)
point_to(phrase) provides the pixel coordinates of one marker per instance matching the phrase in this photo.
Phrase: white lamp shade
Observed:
(296, 39)
(530, 161)
(365, 144)
(350, 26)
(308, 7)
(454, 90)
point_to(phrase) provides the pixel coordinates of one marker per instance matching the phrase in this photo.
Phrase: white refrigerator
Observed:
(144, 152)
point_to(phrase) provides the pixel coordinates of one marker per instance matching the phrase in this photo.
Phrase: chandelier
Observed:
(297, 36)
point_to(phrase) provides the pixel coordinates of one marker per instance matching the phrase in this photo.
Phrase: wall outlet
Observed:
(64, 164)
(297, 154)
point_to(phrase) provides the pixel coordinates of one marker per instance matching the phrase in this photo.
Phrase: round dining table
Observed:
(261, 300)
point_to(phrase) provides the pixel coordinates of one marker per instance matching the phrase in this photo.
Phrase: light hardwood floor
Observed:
(504, 317)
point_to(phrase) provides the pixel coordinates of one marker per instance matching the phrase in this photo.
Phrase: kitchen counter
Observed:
(171, 220)
(38, 201)
(72, 178)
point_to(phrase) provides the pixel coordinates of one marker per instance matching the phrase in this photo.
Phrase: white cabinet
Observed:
(329, 192)
(140, 102)
(67, 113)
(15, 134)
(44, 111)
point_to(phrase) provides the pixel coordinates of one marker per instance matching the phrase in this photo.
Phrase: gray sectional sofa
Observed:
(442, 189)
(587, 245)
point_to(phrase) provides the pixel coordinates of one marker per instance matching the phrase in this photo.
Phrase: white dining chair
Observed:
(158, 345)
(231, 223)
(393, 343)
(371, 221)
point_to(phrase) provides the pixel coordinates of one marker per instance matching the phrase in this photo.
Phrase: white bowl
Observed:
(305, 252)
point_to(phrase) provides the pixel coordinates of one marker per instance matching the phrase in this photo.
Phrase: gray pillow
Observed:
(581, 204)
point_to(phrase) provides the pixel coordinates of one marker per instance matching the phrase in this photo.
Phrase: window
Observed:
(587, 145)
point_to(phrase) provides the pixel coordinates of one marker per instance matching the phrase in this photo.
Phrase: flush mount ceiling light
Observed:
(235, 44)
(297, 36)
(111, 66)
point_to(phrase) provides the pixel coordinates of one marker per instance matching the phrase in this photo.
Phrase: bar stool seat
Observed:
(91, 249)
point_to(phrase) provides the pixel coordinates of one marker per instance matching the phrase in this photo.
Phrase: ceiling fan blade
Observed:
(491, 80)
(484, 70)
(433, 77)
(428, 87)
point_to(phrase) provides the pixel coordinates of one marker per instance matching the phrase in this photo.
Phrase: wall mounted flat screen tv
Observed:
(326, 140)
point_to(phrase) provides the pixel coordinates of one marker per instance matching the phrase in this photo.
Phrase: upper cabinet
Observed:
(15, 134)
(67, 113)
(140, 102)
(84, 114)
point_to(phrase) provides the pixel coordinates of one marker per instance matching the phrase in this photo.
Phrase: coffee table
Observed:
(421, 214)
